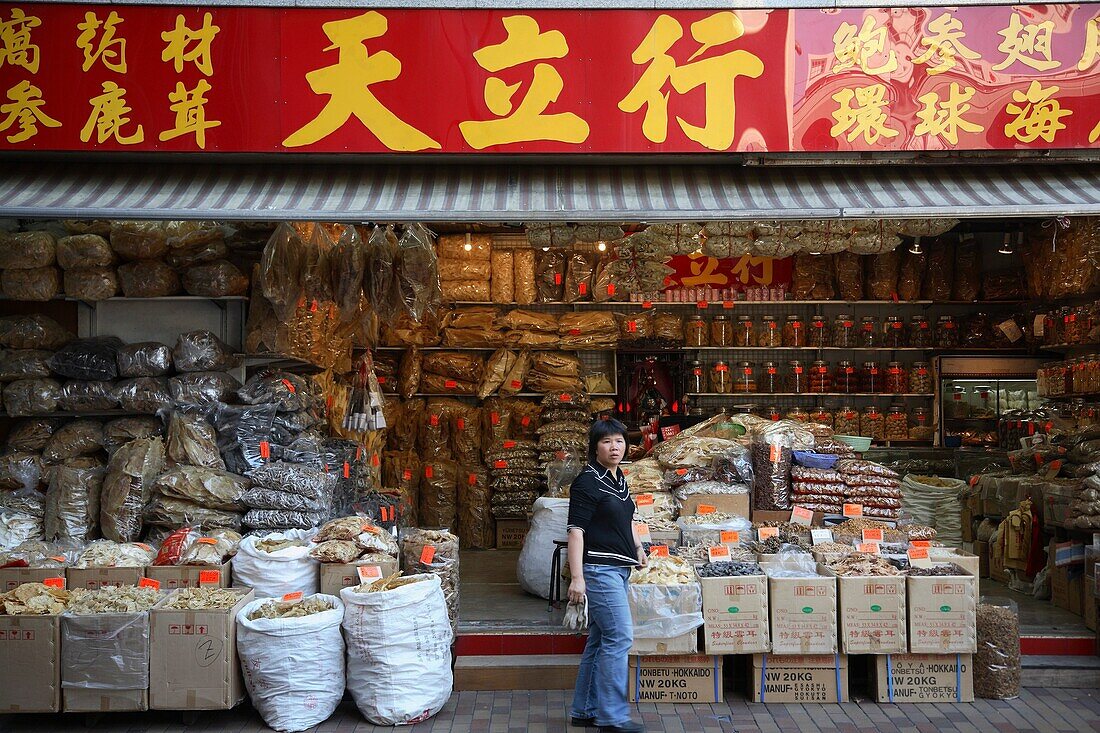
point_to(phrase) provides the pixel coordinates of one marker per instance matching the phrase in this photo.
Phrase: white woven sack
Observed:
(274, 574)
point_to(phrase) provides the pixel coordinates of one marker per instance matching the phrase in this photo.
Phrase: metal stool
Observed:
(555, 575)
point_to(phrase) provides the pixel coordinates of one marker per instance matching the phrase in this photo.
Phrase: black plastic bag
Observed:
(91, 358)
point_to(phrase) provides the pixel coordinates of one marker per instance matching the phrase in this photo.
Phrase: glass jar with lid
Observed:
(920, 426)
(844, 332)
(821, 416)
(947, 333)
(773, 414)
(958, 408)
(797, 382)
(871, 378)
(769, 334)
(721, 331)
(819, 332)
(872, 423)
(744, 333)
(893, 333)
(696, 331)
(1052, 328)
(794, 332)
(920, 333)
(721, 381)
(868, 336)
(845, 379)
(983, 403)
(821, 381)
(897, 381)
(897, 424)
(744, 379)
(769, 380)
(846, 421)
(798, 414)
(696, 379)
(920, 378)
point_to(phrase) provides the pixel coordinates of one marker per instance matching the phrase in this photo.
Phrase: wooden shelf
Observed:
(732, 395)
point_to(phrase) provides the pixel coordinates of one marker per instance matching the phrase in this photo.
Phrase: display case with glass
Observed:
(972, 407)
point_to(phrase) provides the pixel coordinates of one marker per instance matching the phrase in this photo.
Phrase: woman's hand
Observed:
(642, 559)
(576, 589)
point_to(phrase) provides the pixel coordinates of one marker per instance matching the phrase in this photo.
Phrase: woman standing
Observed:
(603, 548)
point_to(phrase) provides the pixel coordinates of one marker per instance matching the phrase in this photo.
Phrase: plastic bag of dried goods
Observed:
(911, 275)
(813, 277)
(455, 364)
(243, 433)
(580, 271)
(500, 363)
(20, 470)
(91, 358)
(543, 234)
(441, 560)
(439, 494)
(102, 227)
(550, 275)
(297, 479)
(118, 433)
(465, 291)
(475, 523)
(849, 275)
(218, 279)
(26, 250)
(772, 457)
(295, 664)
(32, 434)
(24, 364)
(379, 283)
(461, 270)
(148, 279)
(523, 276)
(940, 275)
(80, 396)
(502, 286)
(143, 394)
(202, 351)
(144, 359)
(139, 240)
(33, 332)
(167, 512)
(668, 327)
(77, 438)
(417, 272)
(409, 680)
(465, 433)
(84, 251)
(92, 284)
(42, 283)
(204, 552)
(290, 392)
(72, 501)
(882, 275)
(192, 441)
(203, 388)
(206, 486)
(282, 269)
(467, 247)
(127, 487)
(348, 265)
(195, 252)
(31, 396)
(547, 526)
(968, 270)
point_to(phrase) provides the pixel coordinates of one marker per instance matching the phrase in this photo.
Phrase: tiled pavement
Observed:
(1036, 711)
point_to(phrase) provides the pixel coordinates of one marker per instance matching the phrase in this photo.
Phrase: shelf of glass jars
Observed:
(516, 394)
(1069, 347)
(734, 304)
(807, 395)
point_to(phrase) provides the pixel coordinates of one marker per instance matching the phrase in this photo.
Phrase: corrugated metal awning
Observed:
(516, 192)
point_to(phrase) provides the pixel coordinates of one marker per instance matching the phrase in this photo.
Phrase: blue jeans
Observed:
(601, 679)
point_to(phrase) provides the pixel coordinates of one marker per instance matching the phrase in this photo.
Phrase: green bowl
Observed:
(858, 443)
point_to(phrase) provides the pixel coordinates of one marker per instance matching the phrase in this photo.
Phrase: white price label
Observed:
(369, 573)
(821, 535)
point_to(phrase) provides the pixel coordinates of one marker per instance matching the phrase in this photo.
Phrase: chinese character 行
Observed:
(945, 118)
(109, 114)
(347, 84)
(16, 48)
(716, 74)
(757, 270)
(200, 39)
(944, 44)
(25, 109)
(867, 117)
(1038, 115)
(1024, 42)
(1092, 45)
(109, 49)
(190, 109)
(525, 121)
(857, 46)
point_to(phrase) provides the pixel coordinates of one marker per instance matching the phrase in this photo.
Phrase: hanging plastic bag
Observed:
(92, 358)
(281, 270)
(417, 272)
(379, 283)
(202, 351)
(348, 264)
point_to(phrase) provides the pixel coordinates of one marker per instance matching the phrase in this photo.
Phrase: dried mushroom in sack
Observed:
(77, 438)
(202, 351)
(192, 441)
(24, 364)
(148, 279)
(145, 359)
(34, 599)
(91, 358)
(83, 396)
(128, 487)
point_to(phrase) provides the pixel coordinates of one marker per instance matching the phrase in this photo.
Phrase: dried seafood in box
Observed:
(202, 599)
(336, 551)
(669, 570)
(292, 609)
(863, 564)
(124, 599)
(108, 554)
(34, 599)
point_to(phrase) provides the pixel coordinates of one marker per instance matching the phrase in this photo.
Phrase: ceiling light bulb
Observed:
(915, 248)
(468, 247)
(602, 246)
(1006, 245)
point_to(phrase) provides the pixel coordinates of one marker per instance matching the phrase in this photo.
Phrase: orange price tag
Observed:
(347, 470)
(871, 548)
(206, 541)
(765, 533)
(57, 558)
(853, 510)
(727, 304)
(872, 535)
(500, 464)
(461, 423)
(565, 397)
(918, 558)
(494, 418)
(374, 461)
(427, 555)
(706, 509)
(658, 551)
(681, 472)
(647, 304)
(775, 453)
(144, 546)
(54, 582)
(210, 577)
(406, 475)
(433, 420)
(642, 529)
(582, 288)
(718, 553)
(802, 515)
(729, 537)
(369, 573)
(921, 544)
(644, 504)
(149, 583)
(295, 596)
(370, 529)
(516, 384)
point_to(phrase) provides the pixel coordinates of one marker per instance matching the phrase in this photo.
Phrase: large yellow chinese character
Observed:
(109, 115)
(704, 271)
(716, 74)
(868, 116)
(1037, 114)
(945, 118)
(856, 47)
(944, 44)
(199, 40)
(525, 43)
(15, 41)
(1023, 42)
(1092, 45)
(190, 109)
(25, 109)
(757, 270)
(111, 50)
(348, 82)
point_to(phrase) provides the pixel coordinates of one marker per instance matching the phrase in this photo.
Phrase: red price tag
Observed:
(461, 423)
(574, 332)
(516, 384)
(494, 418)
(149, 583)
(526, 421)
(727, 304)
(509, 444)
(647, 304)
(701, 305)
(500, 464)
(706, 509)
(210, 577)
(557, 278)
(265, 450)
(427, 555)
(853, 510)
(632, 326)
(289, 386)
(374, 460)
(433, 420)
(611, 289)
(406, 475)
(450, 384)
(429, 472)
(347, 470)
(295, 596)
(582, 288)
(658, 550)
(565, 397)
(54, 582)
(643, 500)
(472, 480)
(207, 541)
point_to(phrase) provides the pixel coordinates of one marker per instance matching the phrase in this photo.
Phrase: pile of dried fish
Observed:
(657, 524)
(108, 554)
(712, 519)
(669, 570)
(863, 564)
(834, 548)
(336, 551)
(393, 581)
(291, 609)
(33, 599)
(274, 545)
(203, 599)
(124, 599)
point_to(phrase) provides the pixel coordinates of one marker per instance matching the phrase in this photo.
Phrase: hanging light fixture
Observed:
(1006, 245)
(915, 247)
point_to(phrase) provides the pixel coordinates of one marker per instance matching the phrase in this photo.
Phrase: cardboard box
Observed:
(736, 504)
(1067, 588)
(965, 560)
(943, 614)
(172, 577)
(997, 570)
(1090, 603)
(193, 658)
(872, 614)
(511, 533)
(735, 615)
(669, 539)
(798, 678)
(902, 678)
(683, 644)
(803, 615)
(967, 517)
(685, 679)
(95, 578)
(30, 678)
(337, 576)
(651, 604)
(88, 685)
(981, 549)
(12, 578)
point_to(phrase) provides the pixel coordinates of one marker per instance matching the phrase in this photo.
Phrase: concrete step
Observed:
(517, 672)
(1067, 672)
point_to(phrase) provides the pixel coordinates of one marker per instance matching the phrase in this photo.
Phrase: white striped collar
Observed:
(616, 482)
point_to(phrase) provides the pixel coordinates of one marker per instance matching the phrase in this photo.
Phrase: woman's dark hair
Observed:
(600, 430)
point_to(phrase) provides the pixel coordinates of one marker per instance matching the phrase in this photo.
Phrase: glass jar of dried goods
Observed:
(845, 379)
(819, 333)
(897, 424)
(721, 381)
(721, 331)
(769, 334)
(798, 414)
(820, 379)
(797, 381)
(744, 380)
(846, 421)
(821, 416)
(920, 426)
(845, 332)
(897, 381)
(868, 333)
(696, 331)
(920, 333)
(947, 333)
(696, 379)
(872, 423)
(893, 333)
(769, 380)
(871, 377)
(920, 378)
(744, 333)
(794, 332)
